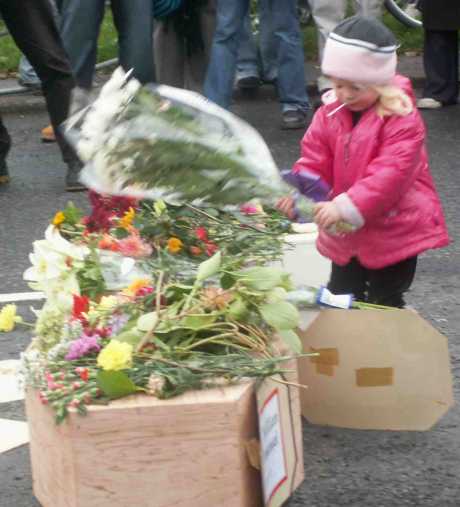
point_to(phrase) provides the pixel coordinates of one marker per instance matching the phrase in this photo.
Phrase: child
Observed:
(367, 142)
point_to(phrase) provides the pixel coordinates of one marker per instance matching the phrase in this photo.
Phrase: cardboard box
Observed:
(376, 369)
(189, 451)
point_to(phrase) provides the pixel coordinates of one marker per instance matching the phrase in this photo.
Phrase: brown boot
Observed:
(48, 134)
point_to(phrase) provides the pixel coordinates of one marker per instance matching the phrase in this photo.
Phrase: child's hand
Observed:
(326, 214)
(286, 206)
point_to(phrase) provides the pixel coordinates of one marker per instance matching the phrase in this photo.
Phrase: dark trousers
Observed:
(440, 58)
(31, 24)
(384, 286)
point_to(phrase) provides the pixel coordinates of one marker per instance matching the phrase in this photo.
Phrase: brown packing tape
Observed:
(325, 360)
(326, 356)
(253, 452)
(374, 377)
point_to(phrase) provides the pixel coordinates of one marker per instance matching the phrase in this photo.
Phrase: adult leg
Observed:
(348, 279)
(80, 25)
(197, 63)
(268, 46)
(291, 83)
(31, 24)
(220, 76)
(169, 54)
(247, 68)
(134, 22)
(388, 285)
(5, 145)
(370, 8)
(440, 58)
(327, 14)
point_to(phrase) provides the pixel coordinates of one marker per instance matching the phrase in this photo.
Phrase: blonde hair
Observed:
(393, 100)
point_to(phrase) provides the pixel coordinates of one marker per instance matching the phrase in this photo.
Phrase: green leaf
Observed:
(198, 321)
(280, 315)
(291, 339)
(147, 321)
(120, 233)
(227, 281)
(159, 207)
(276, 294)
(237, 309)
(115, 384)
(261, 277)
(132, 336)
(209, 267)
(72, 213)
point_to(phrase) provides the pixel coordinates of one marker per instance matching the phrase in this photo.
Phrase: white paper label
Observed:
(274, 472)
(325, 297)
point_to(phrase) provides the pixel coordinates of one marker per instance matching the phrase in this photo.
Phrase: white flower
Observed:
(53, 260)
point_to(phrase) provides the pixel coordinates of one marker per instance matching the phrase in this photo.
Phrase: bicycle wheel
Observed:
(405, 12)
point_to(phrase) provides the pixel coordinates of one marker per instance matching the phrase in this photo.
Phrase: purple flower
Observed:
(83, 346)
(117, 322)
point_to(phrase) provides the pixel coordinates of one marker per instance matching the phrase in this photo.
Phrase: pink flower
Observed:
(134, 246)
(249, 209)
(201, 233)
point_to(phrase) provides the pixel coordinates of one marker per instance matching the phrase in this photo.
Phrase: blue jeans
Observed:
(80, 26)
(290, 58)
(258, 60)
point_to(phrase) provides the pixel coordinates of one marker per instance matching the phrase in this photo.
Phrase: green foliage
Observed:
(115, 384)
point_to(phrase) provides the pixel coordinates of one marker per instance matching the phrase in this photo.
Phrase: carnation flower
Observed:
(8, 318)
(134, 246)
(174, 245)
(115, 355)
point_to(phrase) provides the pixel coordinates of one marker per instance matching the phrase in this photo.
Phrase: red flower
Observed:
(80, 306)
(196, 250)
(83, 373)
(105, 209)
(201, 233)
(211, 248)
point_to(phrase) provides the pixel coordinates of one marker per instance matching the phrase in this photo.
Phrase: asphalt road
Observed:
(342, 467)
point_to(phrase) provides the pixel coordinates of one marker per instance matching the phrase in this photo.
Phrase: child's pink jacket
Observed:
(380, 180)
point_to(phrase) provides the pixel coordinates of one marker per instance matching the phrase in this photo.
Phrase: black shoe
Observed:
(248, 83)
(72, 181)
(294, 119)
(4, 175)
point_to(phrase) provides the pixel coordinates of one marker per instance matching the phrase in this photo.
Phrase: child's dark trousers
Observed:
(384, 286)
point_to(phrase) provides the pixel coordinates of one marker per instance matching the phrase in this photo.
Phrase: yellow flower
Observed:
(8, 318)
(59, 217)
(139, 283)
(115, 356)
(174, 245)
(127, 218)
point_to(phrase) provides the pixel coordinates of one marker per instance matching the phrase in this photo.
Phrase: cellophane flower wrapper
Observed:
(160, 142)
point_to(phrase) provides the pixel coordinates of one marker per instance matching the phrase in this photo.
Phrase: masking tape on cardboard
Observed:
(325, 356)
(374, 377)
(325, 361)
(253, 452)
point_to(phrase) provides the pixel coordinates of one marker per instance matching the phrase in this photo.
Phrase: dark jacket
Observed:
(440, 14)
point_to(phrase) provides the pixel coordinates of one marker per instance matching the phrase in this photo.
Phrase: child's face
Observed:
(356, 97)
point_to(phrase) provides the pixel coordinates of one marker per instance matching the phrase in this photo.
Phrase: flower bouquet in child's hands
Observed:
(159, 142)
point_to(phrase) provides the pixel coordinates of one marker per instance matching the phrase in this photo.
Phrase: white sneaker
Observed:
(428, 103)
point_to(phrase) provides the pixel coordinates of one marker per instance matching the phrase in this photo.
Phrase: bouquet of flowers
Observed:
(120, 318)
(160, 142)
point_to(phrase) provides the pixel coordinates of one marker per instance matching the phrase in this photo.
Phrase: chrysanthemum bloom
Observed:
(127, 219)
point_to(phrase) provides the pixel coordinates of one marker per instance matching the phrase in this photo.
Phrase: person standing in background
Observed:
(80, 27)
(31, 24)
(441, 22)
(291, 83)
(182, 43)
(327, 14)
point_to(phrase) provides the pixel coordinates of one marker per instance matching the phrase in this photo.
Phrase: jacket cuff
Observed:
(348, 210)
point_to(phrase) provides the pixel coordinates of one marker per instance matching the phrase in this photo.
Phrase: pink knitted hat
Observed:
(360, 50)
